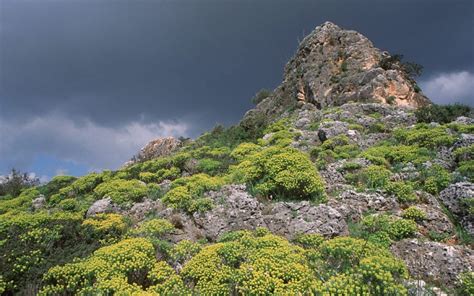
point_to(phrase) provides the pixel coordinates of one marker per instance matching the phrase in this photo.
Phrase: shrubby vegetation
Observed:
(56, 248)
(280, 172)
(442, 113)
(122, 191)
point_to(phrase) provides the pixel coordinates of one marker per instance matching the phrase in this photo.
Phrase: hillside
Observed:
(344, 180)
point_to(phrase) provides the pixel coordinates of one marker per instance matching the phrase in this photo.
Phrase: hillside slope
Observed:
(330, 186)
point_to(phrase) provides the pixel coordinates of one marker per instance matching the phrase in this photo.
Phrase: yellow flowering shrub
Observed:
(425, 135)
(250, 265)
(184, 250)
(27, 241)
(282, 172)
(126, 267)
(243, 150)
(154, 228)
(186, 193)
(122, 191)
(105, 227)
(414, 213)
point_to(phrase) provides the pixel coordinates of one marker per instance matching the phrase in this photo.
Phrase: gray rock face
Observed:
(353, 205)
(453, 198)
(434, 262)
(235, 210)
(292, 218)
(436, 221)
(101, 206)
(39, 202)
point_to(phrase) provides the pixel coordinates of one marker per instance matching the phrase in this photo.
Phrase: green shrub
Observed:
(281, 172)
(403, 191)
(209, 166)
(243, 150)
(82, 185)
(122, 191)
(69, 205)
(441, 113)
(435, 178)
(466, 169)
(464, 153)
(466, 283)
(249, 265)
(187, 193)
(178, 198)
(396, 154)
(402, 228)
(375, 176)
(383, 225)
(414, 213)
(56, 183)
(33, 242)
(153, 228)
(309, 240)
(127, 267)
(424, 135)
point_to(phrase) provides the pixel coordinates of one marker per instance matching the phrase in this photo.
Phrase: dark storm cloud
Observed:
(113, 63)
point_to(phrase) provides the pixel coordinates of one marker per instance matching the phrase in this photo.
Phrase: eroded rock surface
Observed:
(433, 261)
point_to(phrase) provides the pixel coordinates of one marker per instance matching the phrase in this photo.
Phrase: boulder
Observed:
(101, 206)
(433, 261)
(453, 198)
(39, 202)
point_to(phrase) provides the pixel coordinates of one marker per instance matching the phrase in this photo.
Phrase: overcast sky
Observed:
(84, 84)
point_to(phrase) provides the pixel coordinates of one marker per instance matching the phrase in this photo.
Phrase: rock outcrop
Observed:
(433, 261)
(333, 66)
(455, 199)
(156, 148)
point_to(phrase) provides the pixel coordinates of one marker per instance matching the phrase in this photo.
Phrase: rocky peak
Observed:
(333, 66)
(156, 148)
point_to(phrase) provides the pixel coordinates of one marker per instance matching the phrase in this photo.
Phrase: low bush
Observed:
(424, 135)
(127, 267)
(249, 265)
(396, 154)
(105, 228)
(375, 176)
(442, 113)
(414, 213)
(122, 191)
(404, 192)
(154, 228)
(434, 178)
(280, 172)
(187, 193)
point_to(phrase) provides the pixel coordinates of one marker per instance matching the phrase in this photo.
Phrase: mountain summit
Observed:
(333, 66)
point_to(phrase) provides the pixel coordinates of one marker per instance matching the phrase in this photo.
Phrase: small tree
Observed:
(15, 182)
